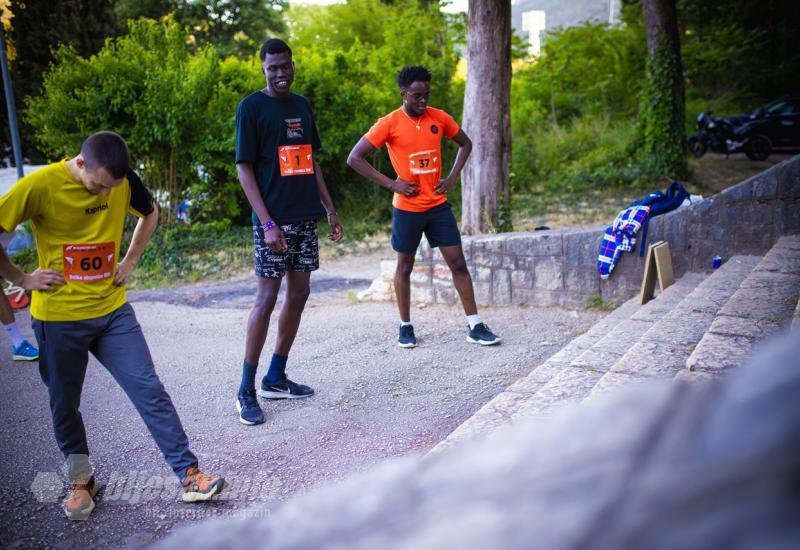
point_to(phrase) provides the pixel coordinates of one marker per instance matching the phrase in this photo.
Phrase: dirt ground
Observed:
(374, 401)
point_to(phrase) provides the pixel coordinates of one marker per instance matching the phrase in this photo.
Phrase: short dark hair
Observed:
(273, 46)
(412, 73)
(106, 150)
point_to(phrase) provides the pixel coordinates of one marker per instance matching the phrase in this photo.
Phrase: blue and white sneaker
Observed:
(406, 338)
(482, 335)
(25, 352)
(284, 389)
(249, 411)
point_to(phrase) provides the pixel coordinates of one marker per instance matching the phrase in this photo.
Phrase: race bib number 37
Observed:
(295, 160)
(88, 263)
(424, 162)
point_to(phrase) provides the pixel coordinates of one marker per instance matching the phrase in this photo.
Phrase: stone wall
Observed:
(558, 267)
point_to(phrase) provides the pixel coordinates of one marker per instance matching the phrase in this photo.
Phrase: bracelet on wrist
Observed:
(267, 225)
(332, 214)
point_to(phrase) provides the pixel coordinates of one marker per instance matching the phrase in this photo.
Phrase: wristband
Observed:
(331, 214)
(269, 224)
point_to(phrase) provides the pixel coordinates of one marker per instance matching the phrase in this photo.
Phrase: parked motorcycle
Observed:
(727, 136)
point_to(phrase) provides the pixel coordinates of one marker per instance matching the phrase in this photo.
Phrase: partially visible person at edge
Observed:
(276, 142)
(413, 135)
(21, 349)
(77, 209)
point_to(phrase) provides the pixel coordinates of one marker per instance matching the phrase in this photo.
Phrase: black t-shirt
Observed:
(279, 137)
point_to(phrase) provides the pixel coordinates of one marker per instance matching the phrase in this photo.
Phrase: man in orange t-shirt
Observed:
(413, 135)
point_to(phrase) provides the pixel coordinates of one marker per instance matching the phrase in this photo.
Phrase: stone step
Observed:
(662, 351)
(497, 411)
(571, 383)
(764, 304)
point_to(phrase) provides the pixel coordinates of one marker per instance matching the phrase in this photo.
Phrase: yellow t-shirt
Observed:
(77, 233)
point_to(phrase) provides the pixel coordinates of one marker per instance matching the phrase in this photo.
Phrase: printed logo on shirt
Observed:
(294, 128)
(96, 209)
(434, 129)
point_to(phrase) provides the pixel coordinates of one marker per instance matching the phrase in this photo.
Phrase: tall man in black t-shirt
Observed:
(276, 140)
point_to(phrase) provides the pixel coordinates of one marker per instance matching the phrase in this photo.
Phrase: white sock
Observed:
(405, 323)
(13, 333)
(473, 320)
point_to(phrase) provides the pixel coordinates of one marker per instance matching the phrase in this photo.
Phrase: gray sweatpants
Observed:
(116, 340)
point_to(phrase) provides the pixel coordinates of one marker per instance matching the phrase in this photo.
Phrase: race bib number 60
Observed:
(88, 263)
(295, 160)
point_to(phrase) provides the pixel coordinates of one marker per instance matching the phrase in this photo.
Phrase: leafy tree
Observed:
(37, 29)
(234, 27)
(173, 107)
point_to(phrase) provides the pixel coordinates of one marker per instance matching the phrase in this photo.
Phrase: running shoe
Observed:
(482, 335)
(284, 389)
(80, 500)
(247, 406)
(406, 338)
(199, 486)
(25, 352)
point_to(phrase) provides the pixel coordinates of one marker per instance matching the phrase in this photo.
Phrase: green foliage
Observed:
(174, 108)
(192, 252)
(233, 27)
(347, 57)
(572, 108)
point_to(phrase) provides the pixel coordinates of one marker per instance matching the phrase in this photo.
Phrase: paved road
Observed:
(374, 401)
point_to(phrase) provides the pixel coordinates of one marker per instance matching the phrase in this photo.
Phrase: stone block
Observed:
(489, 244)
(580, 249)
(488, 259)
(765, 185)
(422, 294)
(583, 281)
(483, 274)
(501, 287)
(483, 292)
(740, 192)
(442, 271)
(521, 278)
(787, 217)
(520, 245)
(729, 214)
(445, 295)
(546, 245)
(548, 273)
(788, 175)
(759, 213)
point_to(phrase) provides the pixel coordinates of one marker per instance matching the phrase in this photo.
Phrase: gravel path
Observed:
(374, 401)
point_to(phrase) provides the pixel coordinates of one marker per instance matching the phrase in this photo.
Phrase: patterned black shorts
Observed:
(302, 253)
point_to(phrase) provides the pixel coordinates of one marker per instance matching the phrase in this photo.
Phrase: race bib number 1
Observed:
(88, 263)
(295, 160)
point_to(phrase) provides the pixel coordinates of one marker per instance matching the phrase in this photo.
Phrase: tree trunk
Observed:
(662, 110)
(487, 114)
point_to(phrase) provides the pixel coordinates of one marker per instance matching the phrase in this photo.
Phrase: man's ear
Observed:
(80, 162)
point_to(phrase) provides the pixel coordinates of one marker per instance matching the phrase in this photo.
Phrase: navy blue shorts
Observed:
(438, 224)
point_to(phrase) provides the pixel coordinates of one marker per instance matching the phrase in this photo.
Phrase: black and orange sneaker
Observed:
(80, 500)
(199, 486)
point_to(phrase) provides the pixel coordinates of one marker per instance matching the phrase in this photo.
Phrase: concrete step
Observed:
(572, 383)
(764, 304)
(497, 412)
(662, 351)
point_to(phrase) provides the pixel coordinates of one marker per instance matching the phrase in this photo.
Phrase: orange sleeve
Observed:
(378, 135)
(451, 127)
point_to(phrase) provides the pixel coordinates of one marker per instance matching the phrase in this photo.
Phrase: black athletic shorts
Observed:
(302, 253)
(438, 224)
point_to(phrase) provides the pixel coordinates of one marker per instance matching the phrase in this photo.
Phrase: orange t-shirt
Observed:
(416, 155)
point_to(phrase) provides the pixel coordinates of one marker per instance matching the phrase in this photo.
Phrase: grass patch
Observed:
(596, 302)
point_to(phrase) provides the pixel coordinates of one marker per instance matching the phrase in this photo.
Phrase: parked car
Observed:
(776, 125)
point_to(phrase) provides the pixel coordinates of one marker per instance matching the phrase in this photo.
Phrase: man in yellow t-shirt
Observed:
(413, 136)
(77, 210)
